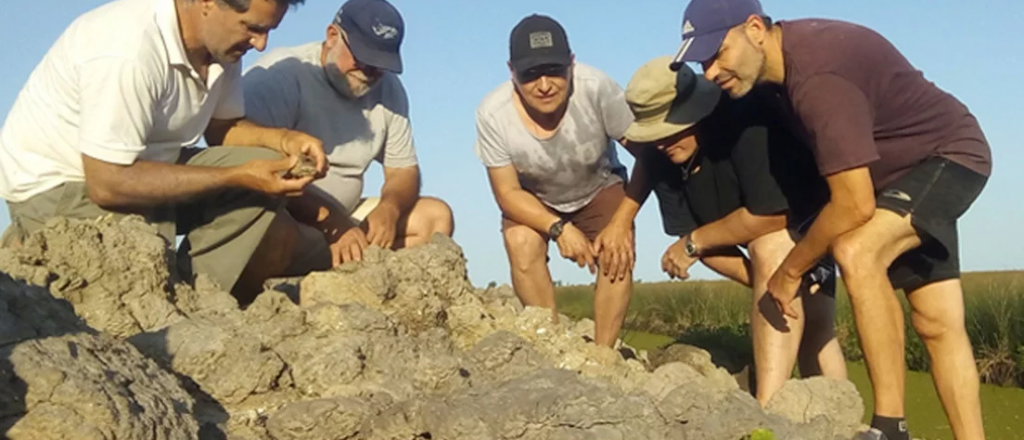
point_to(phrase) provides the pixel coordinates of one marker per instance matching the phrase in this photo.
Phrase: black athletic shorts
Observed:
(935, 194)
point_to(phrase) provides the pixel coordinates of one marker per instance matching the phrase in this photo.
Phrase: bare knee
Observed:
(436, 215)
(856, 255)
(525, 247)
(767, 253)
(937, 327)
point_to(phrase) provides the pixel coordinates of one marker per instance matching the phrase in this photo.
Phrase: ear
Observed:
(755, 29)
(511, 71)
(333, 35)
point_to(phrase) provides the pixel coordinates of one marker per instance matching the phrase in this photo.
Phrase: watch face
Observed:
(556, 230)
(691, 249)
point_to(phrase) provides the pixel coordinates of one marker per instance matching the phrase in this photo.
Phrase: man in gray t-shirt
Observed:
(547, 138)
(346, 92)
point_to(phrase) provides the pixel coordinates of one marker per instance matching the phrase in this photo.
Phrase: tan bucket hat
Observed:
(665, 102)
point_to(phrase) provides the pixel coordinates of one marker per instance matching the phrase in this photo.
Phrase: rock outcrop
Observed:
(97, 340)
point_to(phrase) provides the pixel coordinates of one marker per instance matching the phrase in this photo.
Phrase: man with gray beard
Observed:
(345, 91)
(547, 138)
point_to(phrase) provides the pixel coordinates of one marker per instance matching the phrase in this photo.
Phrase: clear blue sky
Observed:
(455, 52)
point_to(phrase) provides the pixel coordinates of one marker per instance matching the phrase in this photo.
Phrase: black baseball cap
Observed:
(375, 31)
(538, 40)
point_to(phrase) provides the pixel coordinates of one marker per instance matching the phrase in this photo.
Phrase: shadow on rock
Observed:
(60, 379)
(209, 413)
(729, 348)
(23, 319)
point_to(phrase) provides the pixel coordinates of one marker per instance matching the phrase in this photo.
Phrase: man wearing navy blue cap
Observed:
(903, 159)
(345, 90)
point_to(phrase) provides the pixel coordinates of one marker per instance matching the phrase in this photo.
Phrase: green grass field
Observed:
(714, 315)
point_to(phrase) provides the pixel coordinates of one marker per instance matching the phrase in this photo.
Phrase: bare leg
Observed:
(776, 337)
(820, 352)
(611, 299)
(864, 256)
(938, 318)
(527, 255)
(427, 217)
(271, 258)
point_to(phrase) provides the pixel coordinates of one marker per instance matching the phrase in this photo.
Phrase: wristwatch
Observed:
(555, 230)
(690, 247)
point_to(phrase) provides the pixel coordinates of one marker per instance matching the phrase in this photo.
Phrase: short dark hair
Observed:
(243, 5)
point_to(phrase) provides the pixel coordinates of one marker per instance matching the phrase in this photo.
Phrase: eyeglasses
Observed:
(536, 72)
(370, 71)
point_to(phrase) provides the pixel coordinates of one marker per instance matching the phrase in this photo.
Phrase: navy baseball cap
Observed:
(538, 40)
(375, 30)
(705, 24)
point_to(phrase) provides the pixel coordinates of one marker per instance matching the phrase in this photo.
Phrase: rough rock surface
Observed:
(699, 360)
(114, 273)
(305, 167)
(399, 346)
(819, 397)
(61, 380)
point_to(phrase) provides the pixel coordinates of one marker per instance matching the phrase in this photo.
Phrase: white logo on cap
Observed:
(541, 39)
(384, 31)
(687, 27)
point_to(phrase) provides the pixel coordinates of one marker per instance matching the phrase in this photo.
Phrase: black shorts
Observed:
(935, 194)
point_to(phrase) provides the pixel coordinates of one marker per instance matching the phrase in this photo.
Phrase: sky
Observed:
(455, 52)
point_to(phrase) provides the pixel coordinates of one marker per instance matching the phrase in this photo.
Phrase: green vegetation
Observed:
(714, 315)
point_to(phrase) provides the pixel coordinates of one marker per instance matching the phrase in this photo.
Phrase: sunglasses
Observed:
(369, 70)
(536, 72)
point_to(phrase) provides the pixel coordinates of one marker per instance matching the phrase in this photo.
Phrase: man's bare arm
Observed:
(730, 263)
(739, 227)
(852, 204)
(637, 189)
(243, 133)
(401, 188)
(144, 183)
(517, 204)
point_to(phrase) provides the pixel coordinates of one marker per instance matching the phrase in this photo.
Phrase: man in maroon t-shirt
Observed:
(903, 159)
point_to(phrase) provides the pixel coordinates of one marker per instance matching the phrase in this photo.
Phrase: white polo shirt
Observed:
(118, 87)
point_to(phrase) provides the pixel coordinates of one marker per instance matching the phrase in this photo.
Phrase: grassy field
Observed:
(714, 315)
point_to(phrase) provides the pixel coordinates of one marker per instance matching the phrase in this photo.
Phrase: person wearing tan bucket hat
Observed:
(729, 174)
(655, 116)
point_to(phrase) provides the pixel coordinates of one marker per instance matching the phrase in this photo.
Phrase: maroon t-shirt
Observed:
(861, 103)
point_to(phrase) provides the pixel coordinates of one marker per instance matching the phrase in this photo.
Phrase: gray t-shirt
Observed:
(568, 169)
(288, 88)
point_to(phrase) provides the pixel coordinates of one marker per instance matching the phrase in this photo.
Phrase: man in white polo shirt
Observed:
(104, 123)
(345, 91)
(547, 138)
